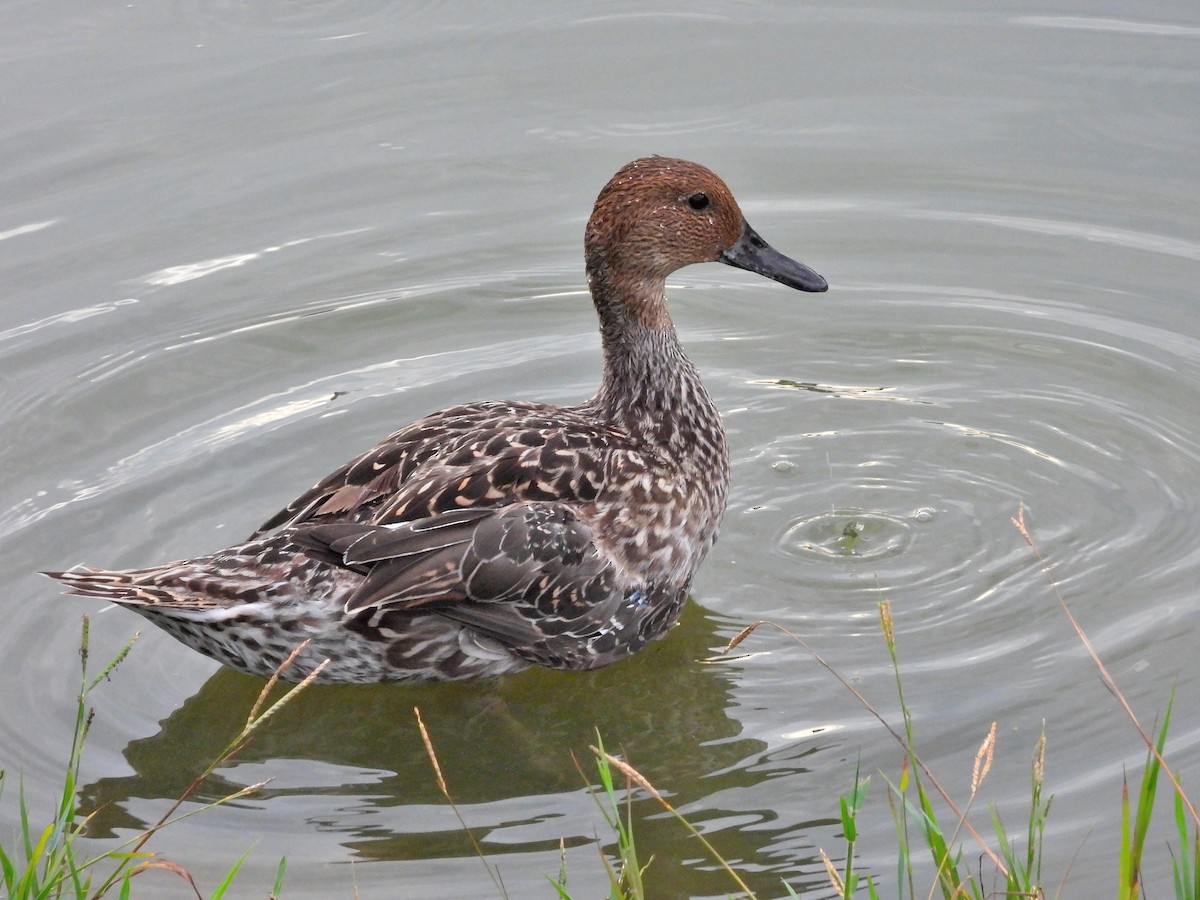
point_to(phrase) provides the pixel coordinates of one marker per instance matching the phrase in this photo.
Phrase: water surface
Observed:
(240, 245)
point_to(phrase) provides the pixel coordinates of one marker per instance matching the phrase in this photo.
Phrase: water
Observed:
(240, 245)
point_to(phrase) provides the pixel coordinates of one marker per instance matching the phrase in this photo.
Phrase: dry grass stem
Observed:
(274, 679)
(1107, 679)
(287, 698)
(234, 747)
(643, 782)
(437, 769)
(169, 866)
(493, 873)
(754, 626)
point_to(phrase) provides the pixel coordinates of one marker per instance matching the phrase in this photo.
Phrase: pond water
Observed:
(239, 244)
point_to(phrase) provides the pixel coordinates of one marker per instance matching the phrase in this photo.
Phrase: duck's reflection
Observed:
(500, 741)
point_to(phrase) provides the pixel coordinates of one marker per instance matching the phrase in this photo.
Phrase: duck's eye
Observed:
(698, 200)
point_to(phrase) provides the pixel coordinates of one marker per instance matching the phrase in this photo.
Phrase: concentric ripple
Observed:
(858, 534)
(896, 468)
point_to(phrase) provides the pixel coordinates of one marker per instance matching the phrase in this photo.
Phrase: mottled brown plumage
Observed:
(487, 537)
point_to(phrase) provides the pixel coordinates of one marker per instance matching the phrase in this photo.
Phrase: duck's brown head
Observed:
(657, 215)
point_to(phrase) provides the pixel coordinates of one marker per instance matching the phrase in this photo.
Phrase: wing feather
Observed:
(525, 570)
(403, 476)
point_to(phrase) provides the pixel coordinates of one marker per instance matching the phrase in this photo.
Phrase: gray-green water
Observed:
(239, 244)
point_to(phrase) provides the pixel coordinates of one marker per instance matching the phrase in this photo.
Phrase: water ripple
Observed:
(1089, 421)
(1092, 23)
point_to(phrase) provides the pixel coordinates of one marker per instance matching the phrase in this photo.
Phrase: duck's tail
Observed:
(129, 587)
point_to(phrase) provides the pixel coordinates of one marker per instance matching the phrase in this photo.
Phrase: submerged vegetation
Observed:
(939, 851)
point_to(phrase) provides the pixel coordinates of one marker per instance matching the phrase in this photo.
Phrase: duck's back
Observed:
(652, 512)
(476, 454)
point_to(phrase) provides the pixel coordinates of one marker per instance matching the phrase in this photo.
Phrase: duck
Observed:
(495, 536)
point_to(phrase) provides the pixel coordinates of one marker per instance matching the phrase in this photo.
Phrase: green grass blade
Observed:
(1038, 811)
(946, 863)
(79, 881)
(1124, 864)
(277, 887)
(1006, 850)
(1019, 881)
(560, 884)
(46, 863)
(228, 879)
(8, 870)
(1185, 869)
(1131, 862)
(1180, 868)
(26, 836)
(1194, 852)
(848, 830)
(900, 821)
(39, 849)
(849, 804)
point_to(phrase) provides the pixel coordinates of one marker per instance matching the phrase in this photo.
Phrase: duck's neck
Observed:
(650, 388)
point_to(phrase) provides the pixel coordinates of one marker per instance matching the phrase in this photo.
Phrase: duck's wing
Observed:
(523, 574)
(547, 465)
(459, 435)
